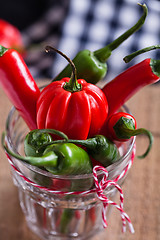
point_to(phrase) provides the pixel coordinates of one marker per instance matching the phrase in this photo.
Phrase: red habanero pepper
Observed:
(72, 106)
(126, 84)
(19, 85)
(122, 126)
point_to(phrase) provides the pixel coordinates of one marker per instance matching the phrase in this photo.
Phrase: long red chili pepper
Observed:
(72, 106)
(19, 85)
(125, 85)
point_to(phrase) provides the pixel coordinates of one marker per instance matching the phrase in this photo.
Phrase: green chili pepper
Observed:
(72, 159)
(92, 66)
(49, 159)
(59, 159)
(99, 147)
(36, 139)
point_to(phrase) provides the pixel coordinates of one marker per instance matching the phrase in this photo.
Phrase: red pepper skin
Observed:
(79, 114)
(125, 85)
(111, 123)
(10, 36)
(122, 126)
(19, 85)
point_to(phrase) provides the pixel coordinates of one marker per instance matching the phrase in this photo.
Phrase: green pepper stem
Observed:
(155, 66)
(49, 159)
(52, 131)
(131, 132)
(2, 50)
(89, 143)
(72, 85)
(128, 58)
(104, 53)
(50, 143)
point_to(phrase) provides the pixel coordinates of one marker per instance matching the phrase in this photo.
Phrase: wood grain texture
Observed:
(141, 188)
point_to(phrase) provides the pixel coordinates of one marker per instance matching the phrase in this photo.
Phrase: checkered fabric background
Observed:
(91, 24)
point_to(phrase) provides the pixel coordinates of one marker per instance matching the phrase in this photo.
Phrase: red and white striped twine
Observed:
(99, 188)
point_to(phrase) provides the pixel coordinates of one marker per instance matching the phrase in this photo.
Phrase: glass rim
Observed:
(109, 168)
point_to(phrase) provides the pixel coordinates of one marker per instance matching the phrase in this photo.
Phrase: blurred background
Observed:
(74, 25)
(71, 26)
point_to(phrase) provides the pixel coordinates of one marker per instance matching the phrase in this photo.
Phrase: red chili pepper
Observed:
(122, 126)
(72, 106)
(10, 36)
(117, 126)
(125, 85)
(19, 85)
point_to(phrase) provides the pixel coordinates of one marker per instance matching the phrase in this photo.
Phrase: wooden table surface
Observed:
(141, 188)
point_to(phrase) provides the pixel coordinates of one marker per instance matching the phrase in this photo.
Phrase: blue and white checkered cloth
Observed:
(75, 25)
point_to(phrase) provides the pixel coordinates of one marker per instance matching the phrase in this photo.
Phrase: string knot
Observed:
(101, 186)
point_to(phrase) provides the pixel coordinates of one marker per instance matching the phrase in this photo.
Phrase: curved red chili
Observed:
(122, 126)
(72, 106)
(19, 85)
(126, 84)
(119, 126)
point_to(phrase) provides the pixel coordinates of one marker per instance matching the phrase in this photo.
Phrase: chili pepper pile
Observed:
(77, 111)
(74, 124)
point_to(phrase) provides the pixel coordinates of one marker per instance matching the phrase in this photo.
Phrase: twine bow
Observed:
(100, 187)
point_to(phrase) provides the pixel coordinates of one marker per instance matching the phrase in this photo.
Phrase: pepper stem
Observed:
(72, 85)
(155, 66)
(2, 50)
(88, 143)
(128, 58)
(51, 131)
(127, 133)
(104, 53)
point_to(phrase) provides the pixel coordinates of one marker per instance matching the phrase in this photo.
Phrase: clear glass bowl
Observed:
(54, 216)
